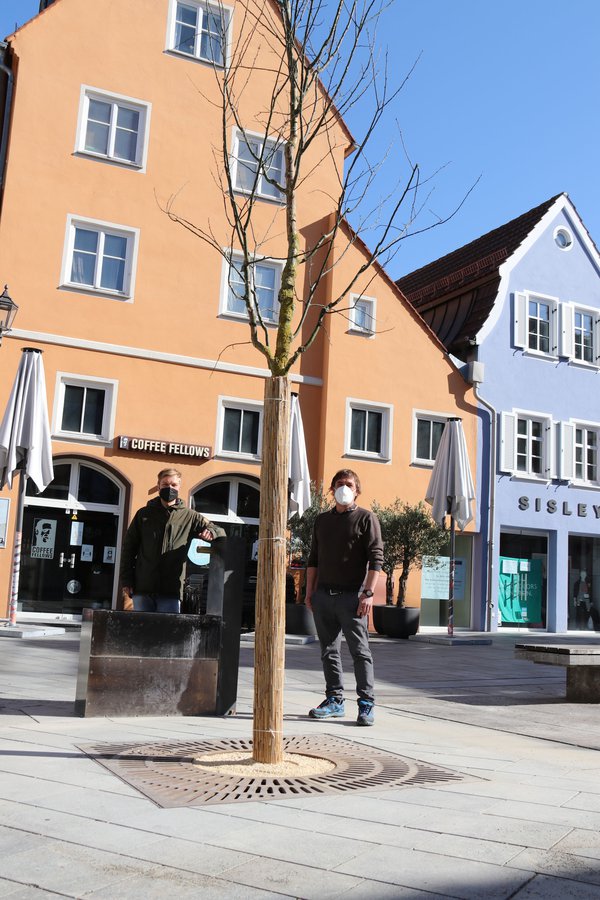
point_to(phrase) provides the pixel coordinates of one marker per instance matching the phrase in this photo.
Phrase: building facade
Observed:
(146, 348)
(520, 308)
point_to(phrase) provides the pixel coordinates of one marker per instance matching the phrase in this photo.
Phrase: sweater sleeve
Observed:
(375, 544)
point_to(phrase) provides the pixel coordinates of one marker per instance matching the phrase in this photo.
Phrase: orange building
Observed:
(112, 111)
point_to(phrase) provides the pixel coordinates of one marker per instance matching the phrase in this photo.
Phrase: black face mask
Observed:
(168, 494)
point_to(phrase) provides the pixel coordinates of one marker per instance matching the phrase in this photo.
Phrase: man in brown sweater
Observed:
(343, 568)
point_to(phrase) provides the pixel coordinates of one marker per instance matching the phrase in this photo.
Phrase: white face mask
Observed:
(344, 495)
(583, 576)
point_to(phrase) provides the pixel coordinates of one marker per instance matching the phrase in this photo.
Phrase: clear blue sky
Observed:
(503, 90)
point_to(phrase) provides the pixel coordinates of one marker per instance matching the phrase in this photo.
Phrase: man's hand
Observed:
(127, 590)
(206, 535)
(364, 605)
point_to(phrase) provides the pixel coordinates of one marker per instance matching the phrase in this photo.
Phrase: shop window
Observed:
(232, 500)
(526, 446)
(199, 30)
(536, 324)
(368, 430)
(84, 408)
(584, 584)
(113, 127)
(258, 166)
(580, 334)
(99, 257)
(239, 428)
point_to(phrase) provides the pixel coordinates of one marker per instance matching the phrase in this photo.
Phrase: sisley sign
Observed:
(566, 508)
(168, 448)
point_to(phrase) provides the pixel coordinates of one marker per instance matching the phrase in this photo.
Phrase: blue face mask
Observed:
(168, 494)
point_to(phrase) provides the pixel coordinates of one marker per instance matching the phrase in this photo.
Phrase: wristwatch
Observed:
(367, 593)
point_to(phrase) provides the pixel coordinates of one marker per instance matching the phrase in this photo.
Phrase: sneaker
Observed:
(328, 709)
(365, 713)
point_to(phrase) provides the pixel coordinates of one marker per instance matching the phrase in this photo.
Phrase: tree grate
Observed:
(165, 772)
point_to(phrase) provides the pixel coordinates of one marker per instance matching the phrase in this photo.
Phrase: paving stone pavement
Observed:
(524, 822)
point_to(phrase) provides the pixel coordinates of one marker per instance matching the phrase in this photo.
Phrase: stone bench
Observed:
(582, 662)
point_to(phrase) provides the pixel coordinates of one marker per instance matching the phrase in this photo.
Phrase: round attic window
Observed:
(563, 238)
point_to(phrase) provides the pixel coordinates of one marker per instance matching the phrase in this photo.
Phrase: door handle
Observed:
(72, 561)
(61, 560)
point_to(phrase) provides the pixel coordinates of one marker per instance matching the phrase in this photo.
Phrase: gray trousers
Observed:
(334, 615)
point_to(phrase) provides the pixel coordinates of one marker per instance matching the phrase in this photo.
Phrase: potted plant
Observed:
(298, 617)
(409, 533)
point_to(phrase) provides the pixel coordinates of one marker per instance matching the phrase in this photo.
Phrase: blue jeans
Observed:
(334, 615)
(155, 603)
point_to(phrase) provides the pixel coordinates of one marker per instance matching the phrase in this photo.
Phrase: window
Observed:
(535, 325)
(264, 281)
(427, 434)
(563, 238)
(113, 127)
(199, 30)
(99, 257)
(580, 334)
(579, 442)
(362, 315)
(368, 430)
(258, 166)
(84, 408)
(239, 428)
(526, 447)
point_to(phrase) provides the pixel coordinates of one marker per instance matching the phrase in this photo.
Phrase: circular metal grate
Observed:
(165, 771)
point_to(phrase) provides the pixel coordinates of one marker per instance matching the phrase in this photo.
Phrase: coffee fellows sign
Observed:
(166, 448)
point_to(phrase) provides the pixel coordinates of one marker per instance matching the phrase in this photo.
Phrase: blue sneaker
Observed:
(330, 708)
(365, 713)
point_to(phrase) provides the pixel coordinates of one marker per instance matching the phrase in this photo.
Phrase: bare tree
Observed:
(311, 63)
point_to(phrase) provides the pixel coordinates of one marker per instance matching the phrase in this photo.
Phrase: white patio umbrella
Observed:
(25, 446)
(451, 491)
(298, 468)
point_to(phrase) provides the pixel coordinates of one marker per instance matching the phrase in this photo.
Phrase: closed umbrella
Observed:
(451, 491)
(298, 468)
(25, 446)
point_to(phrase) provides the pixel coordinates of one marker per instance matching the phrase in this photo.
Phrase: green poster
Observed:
(520, 591)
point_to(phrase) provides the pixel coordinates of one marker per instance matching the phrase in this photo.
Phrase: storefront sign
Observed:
(566, 508)
(168, 448)
(43, 539)
(4, 507)
(435, 578)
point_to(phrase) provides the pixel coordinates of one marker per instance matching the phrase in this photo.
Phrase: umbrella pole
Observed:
(451, 585)
(16, 564)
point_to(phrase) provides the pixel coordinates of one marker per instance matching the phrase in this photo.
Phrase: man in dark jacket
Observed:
(343, 569)
(156, 547)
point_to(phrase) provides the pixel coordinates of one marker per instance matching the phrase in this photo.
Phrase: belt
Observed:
(334, 589)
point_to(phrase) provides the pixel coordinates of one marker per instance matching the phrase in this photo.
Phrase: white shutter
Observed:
(508, 450)
(597, 341)
(549, 449)
(567, 451)
(567, 330)
(554, 329)
(520, 324)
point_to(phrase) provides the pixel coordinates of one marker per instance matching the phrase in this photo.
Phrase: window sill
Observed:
(180, 54)
(239, 457)
(581, 364)
(537, 354)
(96, 292)
(360, 332)
(256, 195)
(109, 160)
(72, 438)
(238, 317)
(367, 457)
(524, 476)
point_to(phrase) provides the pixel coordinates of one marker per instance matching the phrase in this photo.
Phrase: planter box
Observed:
(396, 622)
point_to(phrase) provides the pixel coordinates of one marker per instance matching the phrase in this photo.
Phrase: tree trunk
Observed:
(269, 657)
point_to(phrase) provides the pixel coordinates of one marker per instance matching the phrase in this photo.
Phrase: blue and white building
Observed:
(519, 308)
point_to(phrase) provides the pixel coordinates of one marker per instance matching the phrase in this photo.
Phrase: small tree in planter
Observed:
(409, 533)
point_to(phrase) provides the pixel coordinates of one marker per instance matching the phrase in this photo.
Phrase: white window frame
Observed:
(245, 406)
(230, 256)
(201, 6)
(508, 445)
(102, 228)
(567, 333)
(110, 387)
(370, 305)
(568, 463)
(521, 323)
(431, 417)
(142, 107)
(386, 410)
(274, 143)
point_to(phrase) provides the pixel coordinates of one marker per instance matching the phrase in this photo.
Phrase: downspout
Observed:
(7, 110)
(492, 503)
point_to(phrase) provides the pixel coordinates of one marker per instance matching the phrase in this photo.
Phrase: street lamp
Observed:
(8, 311)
